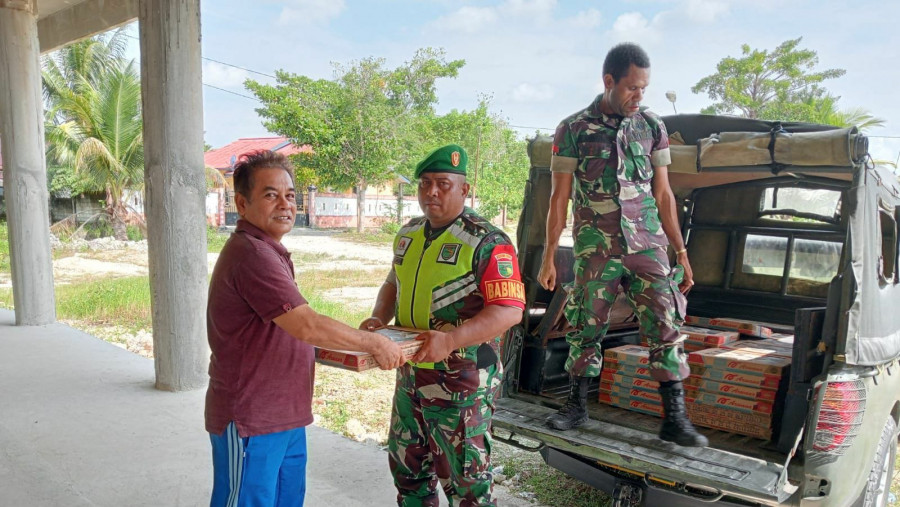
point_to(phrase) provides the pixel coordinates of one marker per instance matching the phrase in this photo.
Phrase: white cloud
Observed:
(706, 11)
(590, 18)
(223, 76)
(311, 11)
(528, 7)
(467, 19)
(470, 19)
(884, 149)
(527, 92)
(629, 22)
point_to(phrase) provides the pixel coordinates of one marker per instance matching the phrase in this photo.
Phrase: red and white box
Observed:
(733, 403)
(728, 389)
(624, 379)
(626, 369)
(630, 393)
(768, 345)
(643, 407)
(751, 379)
(699, 338)
(725, 423)
(746, 360)
(634, 355)
(747, 327)
(361, 361)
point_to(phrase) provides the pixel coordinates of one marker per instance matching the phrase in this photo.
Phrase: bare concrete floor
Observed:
(82, 425)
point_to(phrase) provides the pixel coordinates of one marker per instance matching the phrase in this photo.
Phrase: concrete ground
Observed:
(82, 425)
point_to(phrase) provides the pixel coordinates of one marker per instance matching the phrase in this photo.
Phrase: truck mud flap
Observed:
(627, 448)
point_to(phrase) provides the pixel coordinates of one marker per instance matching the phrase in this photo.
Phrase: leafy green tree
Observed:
(93, 122)
(498, 165)
(357, 122)
(779, 85)
(759, 84)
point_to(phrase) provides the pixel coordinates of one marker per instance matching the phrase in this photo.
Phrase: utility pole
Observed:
(475, 172)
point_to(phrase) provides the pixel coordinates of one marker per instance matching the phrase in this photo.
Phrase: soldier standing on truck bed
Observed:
(617, 152)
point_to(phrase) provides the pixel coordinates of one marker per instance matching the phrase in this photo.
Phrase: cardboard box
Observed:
(733, 402)
(626, 369)
(747, 327)
(768, 345)
(699, 338)
(783, 337)
(767, 381)
(745, 360)
(361, 361)
(634, 355)
(643, 407)
(719, 423)
(727, 389)
(624, 379)
(705, 416)
(726, 413)
(631, 393)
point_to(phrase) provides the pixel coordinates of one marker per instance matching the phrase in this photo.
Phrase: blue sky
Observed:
(541, 59)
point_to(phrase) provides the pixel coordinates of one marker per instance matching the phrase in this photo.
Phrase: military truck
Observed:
(786, 224)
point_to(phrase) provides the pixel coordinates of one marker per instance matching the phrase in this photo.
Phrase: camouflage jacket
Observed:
(615, 212)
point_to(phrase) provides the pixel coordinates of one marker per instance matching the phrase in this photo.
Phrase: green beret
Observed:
(446, 159)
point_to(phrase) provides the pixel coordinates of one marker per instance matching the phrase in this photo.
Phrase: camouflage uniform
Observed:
(441, 415)
(619, 239)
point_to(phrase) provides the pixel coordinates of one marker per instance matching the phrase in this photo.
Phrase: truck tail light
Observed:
(840, 416)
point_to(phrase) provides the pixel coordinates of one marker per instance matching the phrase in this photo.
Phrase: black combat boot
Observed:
(574, 412)
(676, 426)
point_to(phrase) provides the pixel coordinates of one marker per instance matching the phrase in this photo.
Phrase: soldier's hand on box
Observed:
(388, 354)
(437, 347)
(371, 324)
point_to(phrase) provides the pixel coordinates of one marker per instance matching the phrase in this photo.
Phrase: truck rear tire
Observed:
(878, 487)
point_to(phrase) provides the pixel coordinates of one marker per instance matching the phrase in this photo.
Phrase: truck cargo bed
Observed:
(741, 466)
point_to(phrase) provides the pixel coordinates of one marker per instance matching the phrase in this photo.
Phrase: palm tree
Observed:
(93, 123)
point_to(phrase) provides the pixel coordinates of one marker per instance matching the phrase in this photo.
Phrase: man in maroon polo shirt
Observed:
(261, 333)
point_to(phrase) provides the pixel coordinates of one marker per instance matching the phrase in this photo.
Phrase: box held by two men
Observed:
(361, 361)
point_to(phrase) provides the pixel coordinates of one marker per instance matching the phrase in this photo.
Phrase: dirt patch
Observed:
(330, 243)
(77, 267)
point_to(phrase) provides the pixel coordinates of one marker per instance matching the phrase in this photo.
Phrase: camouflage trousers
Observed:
(650, 287)
(441, 431)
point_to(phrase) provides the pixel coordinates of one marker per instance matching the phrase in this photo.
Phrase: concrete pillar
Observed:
(175, 183)
(24, 165)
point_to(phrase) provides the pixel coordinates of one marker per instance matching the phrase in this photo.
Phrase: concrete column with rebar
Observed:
(24, 165)
(175, 185)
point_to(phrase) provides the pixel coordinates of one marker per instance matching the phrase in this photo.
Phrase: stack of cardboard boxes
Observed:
(737, 369)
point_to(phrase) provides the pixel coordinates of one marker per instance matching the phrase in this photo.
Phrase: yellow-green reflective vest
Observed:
(432, 274)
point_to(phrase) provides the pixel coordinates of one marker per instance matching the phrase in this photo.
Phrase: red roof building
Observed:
(225, 157)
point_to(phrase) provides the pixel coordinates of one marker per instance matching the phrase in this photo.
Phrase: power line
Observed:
(231, 92)
(239, 67)
(531, 128)
(229, 65)
(221, 62)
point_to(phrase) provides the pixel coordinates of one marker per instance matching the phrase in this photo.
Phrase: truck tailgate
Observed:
(741, 476)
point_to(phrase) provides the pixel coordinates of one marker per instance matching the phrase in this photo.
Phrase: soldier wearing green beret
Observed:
(456, 278)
